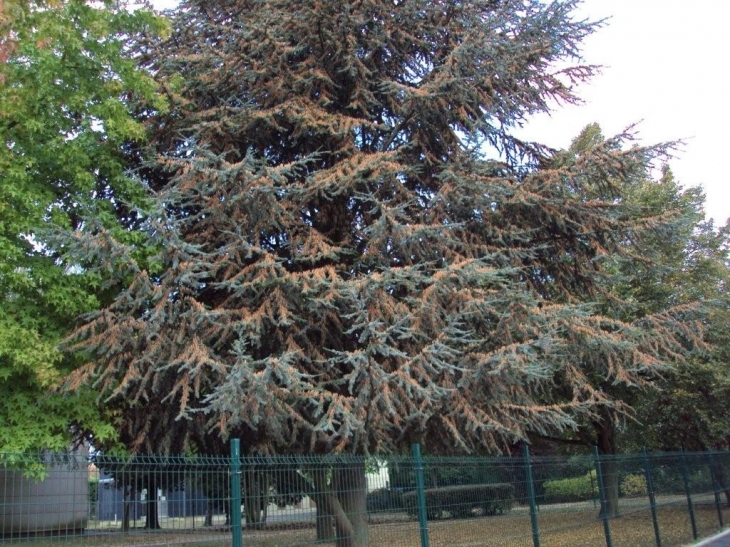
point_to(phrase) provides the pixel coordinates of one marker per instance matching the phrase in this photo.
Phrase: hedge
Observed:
(463, 501)
(570, 490)
(384, 500)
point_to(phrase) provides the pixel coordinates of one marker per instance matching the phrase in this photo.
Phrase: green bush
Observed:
(570, 490)
(463, 501)
(633, 485)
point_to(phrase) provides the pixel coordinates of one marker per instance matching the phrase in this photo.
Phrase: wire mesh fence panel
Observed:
(568, 500)
(631, 500)
(77, 499)
(326, 500)
(471, 501)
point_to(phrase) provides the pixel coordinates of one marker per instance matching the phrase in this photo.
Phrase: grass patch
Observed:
(568, 525)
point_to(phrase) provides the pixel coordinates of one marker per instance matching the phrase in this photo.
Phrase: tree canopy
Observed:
(343, 268)
(69, 93)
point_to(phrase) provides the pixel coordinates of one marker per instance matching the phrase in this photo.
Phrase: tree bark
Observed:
(350, 485)
(126, 506)
(253, 496)
(152, 522)
(721, 482)
(325, 518)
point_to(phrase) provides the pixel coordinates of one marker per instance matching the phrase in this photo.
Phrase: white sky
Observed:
(666, 66)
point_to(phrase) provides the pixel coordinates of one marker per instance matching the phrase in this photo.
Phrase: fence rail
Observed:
(633, 500)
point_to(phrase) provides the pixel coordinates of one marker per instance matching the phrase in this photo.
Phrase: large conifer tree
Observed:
(344, 269)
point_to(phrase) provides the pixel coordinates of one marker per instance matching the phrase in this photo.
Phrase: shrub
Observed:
(463, 501)
(570, 490)
(634, 485)
(384, 500)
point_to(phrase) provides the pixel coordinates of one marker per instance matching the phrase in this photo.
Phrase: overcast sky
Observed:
(666, 66)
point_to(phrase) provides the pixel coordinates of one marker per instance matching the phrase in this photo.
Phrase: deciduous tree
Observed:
(68, 95)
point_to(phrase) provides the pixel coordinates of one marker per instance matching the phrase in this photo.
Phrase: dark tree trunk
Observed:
(208, 515)
(255, 498)
(152, 522)
(719, 472)
(606, 441)
(325, 517)
(128, 500)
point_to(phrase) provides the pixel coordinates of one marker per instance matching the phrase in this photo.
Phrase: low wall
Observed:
(57, 503)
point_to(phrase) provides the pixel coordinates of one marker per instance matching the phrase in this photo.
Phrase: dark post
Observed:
(236, 528)
(421, 495)
(593, 490)
(652, 498)
(531, 495)
(688, 493)
(716, 489)
(602, 497)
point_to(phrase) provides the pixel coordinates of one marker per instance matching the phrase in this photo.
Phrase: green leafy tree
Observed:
(342, 269)
(688, 409)
(69, 95)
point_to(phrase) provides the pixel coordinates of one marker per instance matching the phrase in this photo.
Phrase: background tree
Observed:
(689, 403)
(68, 95)
(671, 265)
(342, 268)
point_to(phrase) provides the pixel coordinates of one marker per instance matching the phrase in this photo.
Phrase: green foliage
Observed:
(93, 493)
(570, 490)
(692, 266)
(633, 486)
(69, 97)
(671, 272)
(463, 501)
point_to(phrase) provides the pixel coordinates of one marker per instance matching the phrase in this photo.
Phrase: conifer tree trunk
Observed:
(126, 505)
(265, 497)
(325, 519)
(152, 522)
(325, 523)
(351, 489)
(253, 498)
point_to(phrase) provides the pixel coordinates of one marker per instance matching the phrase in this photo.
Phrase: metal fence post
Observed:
(688, 493)
(652, 498)
(593, 490)
(716, 489)
(236, 527)
(602, 497)
(531, 496)
(421, 495)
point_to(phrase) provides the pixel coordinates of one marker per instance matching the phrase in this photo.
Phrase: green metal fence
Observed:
(634, 500)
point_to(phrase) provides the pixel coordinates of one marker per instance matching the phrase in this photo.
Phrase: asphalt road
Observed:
(720, 540)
